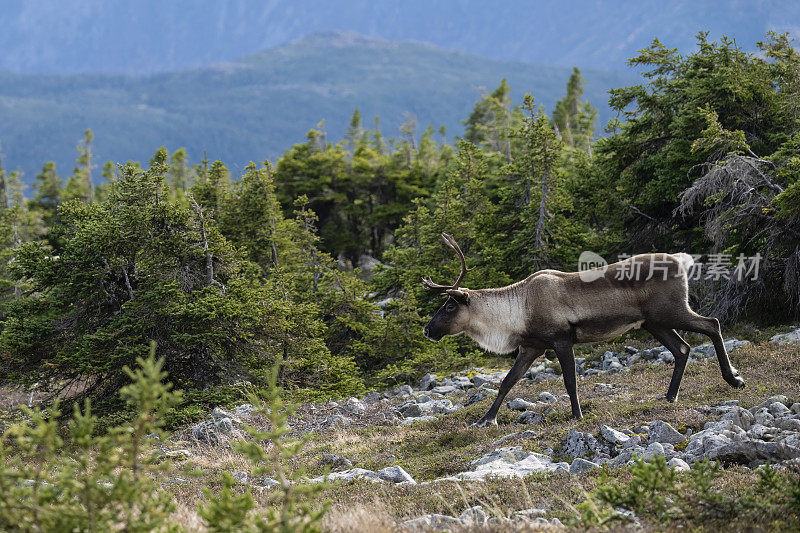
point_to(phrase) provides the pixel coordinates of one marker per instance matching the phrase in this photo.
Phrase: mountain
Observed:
(259, 105)
(146, 36)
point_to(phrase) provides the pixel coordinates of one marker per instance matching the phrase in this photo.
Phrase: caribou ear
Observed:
(460, 295)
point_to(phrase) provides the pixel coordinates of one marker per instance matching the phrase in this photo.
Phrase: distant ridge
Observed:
(259, 105)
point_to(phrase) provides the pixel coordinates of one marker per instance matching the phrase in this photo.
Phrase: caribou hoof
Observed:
(736, 382)
(483, 422)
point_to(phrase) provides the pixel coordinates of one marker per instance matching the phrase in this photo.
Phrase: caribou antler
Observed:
(451, 242)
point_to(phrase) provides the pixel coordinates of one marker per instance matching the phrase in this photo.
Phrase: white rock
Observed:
(777, 409)
(793, 337)
(348, 475)
(546, 397)
(741, 417)
(395, 474)
(474, 516)
(678, 464)
(655, 448)
(580, 465)
(428, 381)
(580, 444)
(661, 431)
(510, 462)
(518, 404)
(613, 436)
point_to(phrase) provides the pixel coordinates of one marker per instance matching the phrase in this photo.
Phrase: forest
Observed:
(313, 262)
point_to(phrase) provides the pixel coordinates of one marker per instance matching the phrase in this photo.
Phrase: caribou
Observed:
(555, 310)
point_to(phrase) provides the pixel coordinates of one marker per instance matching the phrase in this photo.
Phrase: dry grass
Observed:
(446, 446)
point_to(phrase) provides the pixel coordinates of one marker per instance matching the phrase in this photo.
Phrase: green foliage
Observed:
(658, 493)
(267, 450)
(85, 480)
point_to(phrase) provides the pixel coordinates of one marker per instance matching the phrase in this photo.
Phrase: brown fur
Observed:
(552, 309)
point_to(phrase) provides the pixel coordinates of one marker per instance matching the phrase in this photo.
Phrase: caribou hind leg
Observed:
(525, 358)
(710, 327)
(680, 350)
(566, 358)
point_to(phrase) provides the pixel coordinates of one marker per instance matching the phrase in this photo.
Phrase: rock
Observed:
(336, 461)
(613, 436)
(206, 432)
(528, 513)
(354, 406)
(395, 474)
(633, 441)
(527, 434)
(518, 404)
(428, 381)
(481, 394)
(777, 409)
(241, 477)
(415, 419)
(445, 389)
(431, 407)
(793, 337)
(580, 465)
(615, 367)
(530, 417)
(580, 444)
(485, 379)
(245, 410)
(546, 397)
(653, 449)
(661, 431)
(667, 357)
(177, 455)
(403, 390)
(740, 417)
(266, 482)
(509, 462)
(348, 475)
(796, 408)
(603, 387)
(676, 463)
(474, 516)
(338, 420)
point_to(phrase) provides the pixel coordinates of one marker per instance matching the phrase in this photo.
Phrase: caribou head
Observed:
(453, 317)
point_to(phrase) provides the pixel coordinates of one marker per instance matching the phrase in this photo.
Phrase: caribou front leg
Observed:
(525, 358)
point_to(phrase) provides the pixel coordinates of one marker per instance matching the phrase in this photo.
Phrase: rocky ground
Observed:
(408, 458)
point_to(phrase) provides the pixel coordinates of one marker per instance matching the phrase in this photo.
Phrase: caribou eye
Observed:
(451, 307)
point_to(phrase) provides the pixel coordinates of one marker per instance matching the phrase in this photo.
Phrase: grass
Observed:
(430, 450)
(446, 446)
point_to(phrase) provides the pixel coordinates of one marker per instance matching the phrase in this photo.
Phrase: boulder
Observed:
(336, 461)
(580, 465)
(546, 397)
(530, 417)
(580, 444)
(676, 463)
(348, 475)
(793, 337)
(661, 431)
(518, 404)
(481, 394)
(510, 462)
(474, 516)
(395, 474)
(613, 436)
(428, 381)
